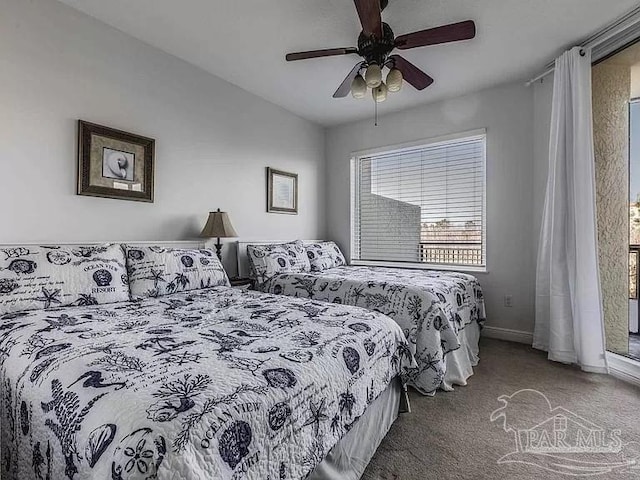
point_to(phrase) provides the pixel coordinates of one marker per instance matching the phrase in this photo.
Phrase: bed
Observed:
(207, 383)
(441, 313)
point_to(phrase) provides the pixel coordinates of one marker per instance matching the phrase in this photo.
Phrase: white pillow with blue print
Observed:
(324, 255)
(45, 277)
(265, 261)
(158, 271)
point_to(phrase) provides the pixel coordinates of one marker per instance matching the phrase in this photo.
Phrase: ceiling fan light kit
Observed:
(375, 44)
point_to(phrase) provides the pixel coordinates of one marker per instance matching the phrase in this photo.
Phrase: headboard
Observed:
(162, 243)
(243, 260)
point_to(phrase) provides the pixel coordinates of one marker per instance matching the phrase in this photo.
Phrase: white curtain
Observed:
(569, 321)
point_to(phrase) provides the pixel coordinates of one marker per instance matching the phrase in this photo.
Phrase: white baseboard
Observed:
(624, 368)
(508, 334)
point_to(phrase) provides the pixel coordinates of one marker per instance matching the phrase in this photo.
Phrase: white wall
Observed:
(507, 114)
(213, 140)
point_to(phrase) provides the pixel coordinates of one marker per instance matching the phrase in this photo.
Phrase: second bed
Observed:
(440, 313)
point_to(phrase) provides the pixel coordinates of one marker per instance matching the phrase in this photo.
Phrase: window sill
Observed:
(422, 266)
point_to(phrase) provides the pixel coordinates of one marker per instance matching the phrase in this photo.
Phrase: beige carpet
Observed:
(451, 435)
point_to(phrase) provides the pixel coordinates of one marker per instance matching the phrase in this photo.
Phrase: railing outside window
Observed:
(459, 253)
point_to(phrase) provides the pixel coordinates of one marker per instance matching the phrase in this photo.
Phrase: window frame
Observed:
(425, 143)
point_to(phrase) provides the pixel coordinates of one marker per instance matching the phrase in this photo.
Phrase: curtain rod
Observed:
(626, 22)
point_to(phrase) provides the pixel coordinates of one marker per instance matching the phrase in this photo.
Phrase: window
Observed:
(421, 205)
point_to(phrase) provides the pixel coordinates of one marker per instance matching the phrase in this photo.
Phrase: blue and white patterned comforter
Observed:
(218, 383)
(430, 306)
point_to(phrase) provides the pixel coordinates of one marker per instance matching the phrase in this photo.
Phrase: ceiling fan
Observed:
(375, 44)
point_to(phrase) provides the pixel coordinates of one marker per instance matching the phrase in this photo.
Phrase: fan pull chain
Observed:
(375, 108)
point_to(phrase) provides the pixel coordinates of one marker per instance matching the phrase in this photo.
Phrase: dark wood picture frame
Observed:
(140, 187)
(271, 208)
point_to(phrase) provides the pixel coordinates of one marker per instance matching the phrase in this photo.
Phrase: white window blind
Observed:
(423, 205)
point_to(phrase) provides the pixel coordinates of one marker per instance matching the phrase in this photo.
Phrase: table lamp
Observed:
(218, 226)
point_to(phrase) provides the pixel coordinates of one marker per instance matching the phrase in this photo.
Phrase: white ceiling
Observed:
(245, 41)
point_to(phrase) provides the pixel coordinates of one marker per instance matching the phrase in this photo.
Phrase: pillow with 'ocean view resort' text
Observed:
(44, 277)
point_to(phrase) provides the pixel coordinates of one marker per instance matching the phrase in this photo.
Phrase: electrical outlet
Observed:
(508, 301)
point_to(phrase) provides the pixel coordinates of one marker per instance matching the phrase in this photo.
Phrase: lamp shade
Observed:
(394, 80)
(358, 87)
(373, 75)
(380, 93)
(218, 225)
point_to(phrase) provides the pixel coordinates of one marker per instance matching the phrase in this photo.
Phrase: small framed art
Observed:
(282, 191)
(114, 164)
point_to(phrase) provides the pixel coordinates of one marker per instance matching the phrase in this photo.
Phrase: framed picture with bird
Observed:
(114, 164)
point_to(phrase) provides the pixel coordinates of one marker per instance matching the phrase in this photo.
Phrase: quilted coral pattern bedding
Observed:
(430, 306)
(218, 383)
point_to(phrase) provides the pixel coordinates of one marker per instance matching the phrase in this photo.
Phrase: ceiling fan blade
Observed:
(328, 52)
(345, 87)
(412, 74)
(434, 36)
(370, 16)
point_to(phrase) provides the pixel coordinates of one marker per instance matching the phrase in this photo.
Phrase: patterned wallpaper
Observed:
(611, 93)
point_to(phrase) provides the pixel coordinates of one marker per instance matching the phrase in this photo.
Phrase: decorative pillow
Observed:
(269, 260)
(324, 255)
(33, 278)
(157, 271)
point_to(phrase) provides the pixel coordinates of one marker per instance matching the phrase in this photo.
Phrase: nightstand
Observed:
(241, 282)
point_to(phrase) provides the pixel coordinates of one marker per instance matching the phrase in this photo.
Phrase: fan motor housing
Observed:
(376, 50)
